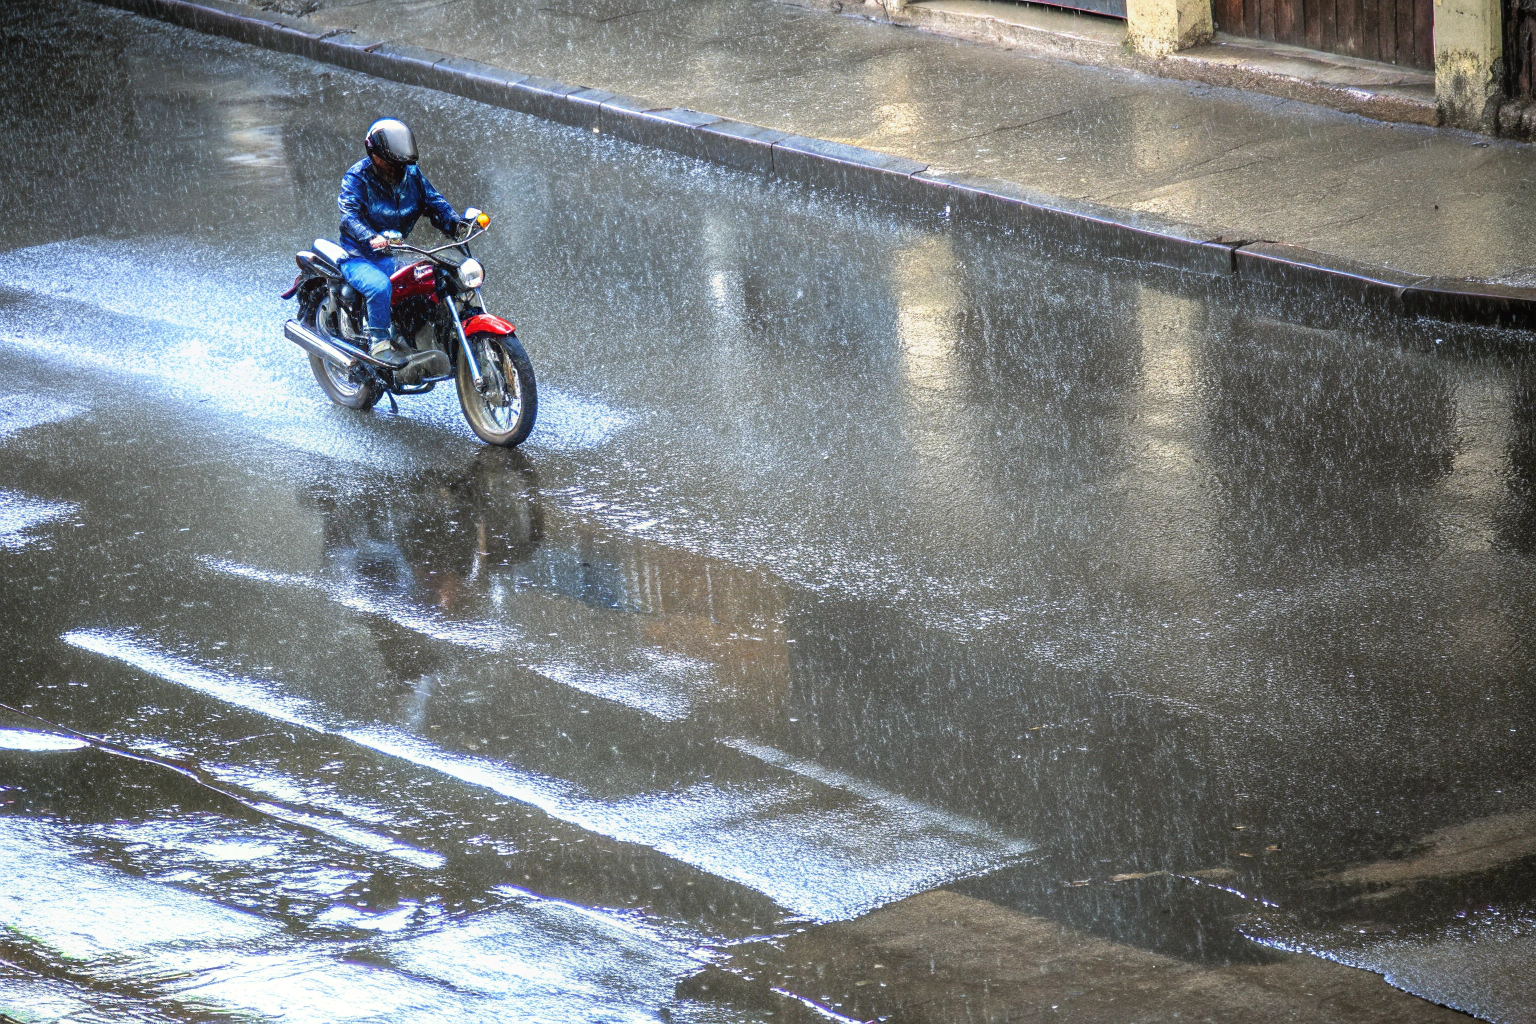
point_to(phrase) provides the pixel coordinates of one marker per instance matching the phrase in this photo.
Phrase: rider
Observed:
(386, 191)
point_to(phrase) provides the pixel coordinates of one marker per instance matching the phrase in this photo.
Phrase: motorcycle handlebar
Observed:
(401, 247)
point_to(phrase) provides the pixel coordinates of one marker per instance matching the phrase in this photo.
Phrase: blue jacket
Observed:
(370, 207)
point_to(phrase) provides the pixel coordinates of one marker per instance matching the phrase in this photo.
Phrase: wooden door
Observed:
(1520, 49)
(1394, 31)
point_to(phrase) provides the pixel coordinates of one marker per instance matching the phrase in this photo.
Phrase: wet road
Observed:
(855, 555)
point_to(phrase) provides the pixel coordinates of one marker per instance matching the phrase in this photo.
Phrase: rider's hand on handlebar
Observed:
(378, 243)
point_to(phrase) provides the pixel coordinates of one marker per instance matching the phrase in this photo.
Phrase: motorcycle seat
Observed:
(330, 253)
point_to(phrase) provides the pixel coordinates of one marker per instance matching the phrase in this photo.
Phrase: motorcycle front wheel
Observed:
(503, 415)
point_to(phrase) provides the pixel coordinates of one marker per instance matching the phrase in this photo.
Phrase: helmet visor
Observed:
(393, 141)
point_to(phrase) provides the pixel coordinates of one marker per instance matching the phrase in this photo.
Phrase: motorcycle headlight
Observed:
(471, 274)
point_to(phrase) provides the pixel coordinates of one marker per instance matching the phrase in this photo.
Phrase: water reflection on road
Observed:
(855, 555)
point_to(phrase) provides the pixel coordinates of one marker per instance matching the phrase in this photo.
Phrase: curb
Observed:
(1104, 230)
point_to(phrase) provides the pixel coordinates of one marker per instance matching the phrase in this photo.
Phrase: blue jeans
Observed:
(370, 276)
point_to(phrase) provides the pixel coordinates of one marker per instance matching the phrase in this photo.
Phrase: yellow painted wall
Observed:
(1469, 49)
(1159, 27)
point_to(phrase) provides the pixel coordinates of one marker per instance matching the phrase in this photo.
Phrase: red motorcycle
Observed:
(437, 312)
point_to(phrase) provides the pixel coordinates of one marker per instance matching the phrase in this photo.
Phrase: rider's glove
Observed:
(378, 243)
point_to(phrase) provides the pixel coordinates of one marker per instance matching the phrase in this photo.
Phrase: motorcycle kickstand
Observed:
(394, 410)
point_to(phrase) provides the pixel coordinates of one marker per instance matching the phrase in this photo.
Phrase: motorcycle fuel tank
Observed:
(410, 281)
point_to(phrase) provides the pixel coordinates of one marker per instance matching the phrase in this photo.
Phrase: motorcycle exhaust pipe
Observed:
(338, 352)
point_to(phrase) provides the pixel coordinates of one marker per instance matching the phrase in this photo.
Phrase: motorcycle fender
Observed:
(487, 323)
(309, 268)
(311, 265)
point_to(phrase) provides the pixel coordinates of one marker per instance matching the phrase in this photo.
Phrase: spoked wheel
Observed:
(504, 414)
(352, 388)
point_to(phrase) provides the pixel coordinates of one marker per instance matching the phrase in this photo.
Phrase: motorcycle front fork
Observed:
(466, 348)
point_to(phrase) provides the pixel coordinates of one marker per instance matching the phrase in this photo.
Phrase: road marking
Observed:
(32, 741)
(550, 960)
(24, 410)
(663, 687)
(822, 854)
(21, 513)
(429, 622)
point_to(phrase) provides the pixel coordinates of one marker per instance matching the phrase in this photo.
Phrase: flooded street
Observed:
(861, 563)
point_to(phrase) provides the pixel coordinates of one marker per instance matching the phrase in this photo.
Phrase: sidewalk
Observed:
(1227, 165)
(1426, 201)
(945, 958)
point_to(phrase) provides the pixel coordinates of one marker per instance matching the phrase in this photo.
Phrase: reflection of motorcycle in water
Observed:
(475, 588)
(434, 542)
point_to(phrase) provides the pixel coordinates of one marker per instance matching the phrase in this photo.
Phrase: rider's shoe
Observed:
(386, 353)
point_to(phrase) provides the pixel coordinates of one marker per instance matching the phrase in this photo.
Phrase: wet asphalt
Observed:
(855, 554)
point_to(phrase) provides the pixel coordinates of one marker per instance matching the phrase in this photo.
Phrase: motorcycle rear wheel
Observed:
(339, 387)
(504, 414)
(347, 388)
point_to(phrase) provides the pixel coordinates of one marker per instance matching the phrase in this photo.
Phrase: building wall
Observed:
(1463, 41)
(1469, 51)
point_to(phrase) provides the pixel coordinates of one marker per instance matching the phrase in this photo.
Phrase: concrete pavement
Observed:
(1424, 201)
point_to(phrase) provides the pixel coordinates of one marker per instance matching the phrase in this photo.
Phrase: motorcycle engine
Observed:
(425, 338)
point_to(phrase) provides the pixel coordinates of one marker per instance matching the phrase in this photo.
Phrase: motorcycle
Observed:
(437, 312)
